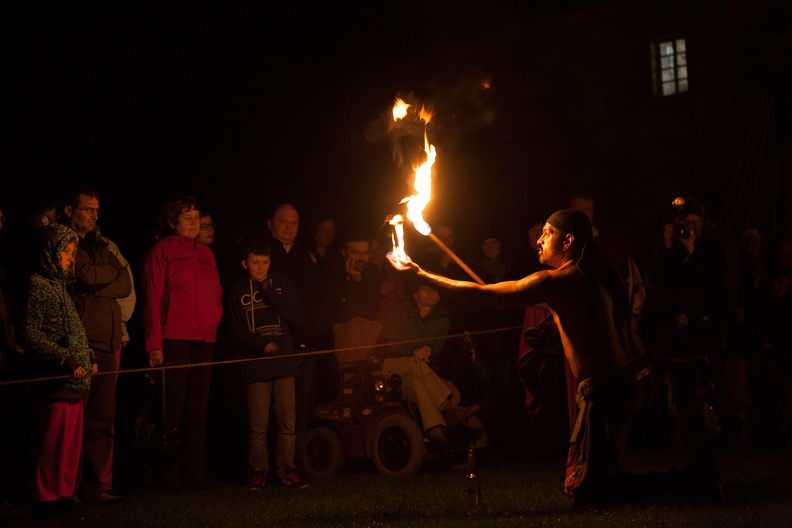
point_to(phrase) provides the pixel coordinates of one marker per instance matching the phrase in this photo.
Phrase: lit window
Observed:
(669, 67)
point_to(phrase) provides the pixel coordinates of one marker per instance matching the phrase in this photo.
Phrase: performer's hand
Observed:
(78, 373)
(94, 368)
(271, 348)
(402, 265)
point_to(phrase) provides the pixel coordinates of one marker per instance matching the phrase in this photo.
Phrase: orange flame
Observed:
(422, 183)
(398, 238)
(400, 109)
(423, 187)
(425, 114)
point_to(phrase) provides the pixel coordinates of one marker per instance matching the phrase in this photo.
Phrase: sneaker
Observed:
(257, 479)
(292, 479)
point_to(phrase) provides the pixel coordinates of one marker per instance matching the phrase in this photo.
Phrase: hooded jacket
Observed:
(184, 299)
(52, 331)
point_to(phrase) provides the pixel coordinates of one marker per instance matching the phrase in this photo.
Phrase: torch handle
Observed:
(455, 258)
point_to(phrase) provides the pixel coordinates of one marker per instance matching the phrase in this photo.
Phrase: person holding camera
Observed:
(685, 329)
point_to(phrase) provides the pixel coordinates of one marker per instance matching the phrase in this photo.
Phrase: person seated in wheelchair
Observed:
(414, 330)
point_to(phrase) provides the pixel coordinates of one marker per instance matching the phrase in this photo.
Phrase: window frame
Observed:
(677, 78)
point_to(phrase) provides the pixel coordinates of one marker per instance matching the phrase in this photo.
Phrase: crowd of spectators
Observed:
(714, 310)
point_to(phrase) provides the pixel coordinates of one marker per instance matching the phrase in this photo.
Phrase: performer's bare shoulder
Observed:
(583, 313)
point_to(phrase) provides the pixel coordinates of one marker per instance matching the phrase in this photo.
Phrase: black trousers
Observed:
(186, 397)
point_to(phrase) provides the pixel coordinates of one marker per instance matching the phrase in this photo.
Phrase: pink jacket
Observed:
(184, 299)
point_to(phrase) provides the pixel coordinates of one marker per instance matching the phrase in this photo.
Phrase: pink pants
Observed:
(58, 430)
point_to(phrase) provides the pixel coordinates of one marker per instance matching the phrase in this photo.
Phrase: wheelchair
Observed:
(372, 419)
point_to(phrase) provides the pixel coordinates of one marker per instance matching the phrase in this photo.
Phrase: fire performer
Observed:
(589, 305)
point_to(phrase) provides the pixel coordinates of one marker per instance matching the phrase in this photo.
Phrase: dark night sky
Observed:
(242, 107)
(246, 104)
(247, 107)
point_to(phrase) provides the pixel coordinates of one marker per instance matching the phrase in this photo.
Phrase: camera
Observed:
(682, 228)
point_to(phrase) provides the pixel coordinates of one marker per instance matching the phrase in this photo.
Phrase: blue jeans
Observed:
(259, 396)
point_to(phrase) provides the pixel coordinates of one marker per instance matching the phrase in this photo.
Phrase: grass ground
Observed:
(513, 494)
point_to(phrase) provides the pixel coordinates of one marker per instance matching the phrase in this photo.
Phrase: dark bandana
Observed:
(572, 222)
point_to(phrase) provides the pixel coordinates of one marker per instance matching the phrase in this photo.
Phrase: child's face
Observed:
(257, 266)
(67, 255)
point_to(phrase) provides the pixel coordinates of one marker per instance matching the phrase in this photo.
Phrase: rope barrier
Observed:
(247, 360)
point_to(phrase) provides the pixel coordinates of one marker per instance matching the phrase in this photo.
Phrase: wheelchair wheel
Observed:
(397, 446)
(323, 453)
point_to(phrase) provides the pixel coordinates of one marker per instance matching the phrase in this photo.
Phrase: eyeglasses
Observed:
(89, 210)
(204, 227)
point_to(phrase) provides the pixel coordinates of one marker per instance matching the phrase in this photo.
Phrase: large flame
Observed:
(423, 190)
(422, 182)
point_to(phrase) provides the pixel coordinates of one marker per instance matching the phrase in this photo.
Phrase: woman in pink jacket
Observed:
(181, 314)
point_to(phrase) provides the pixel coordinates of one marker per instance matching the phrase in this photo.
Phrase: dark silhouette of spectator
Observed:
(433, 258)
(353, 282)
(323, 246)
(292, 260)
(14, 408)
(747, 342)
(686, 327)
(772, 414)
(496, 348)
(615, 249)
(207, 231)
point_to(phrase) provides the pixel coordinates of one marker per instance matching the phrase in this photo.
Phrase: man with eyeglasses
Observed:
(104, 295)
